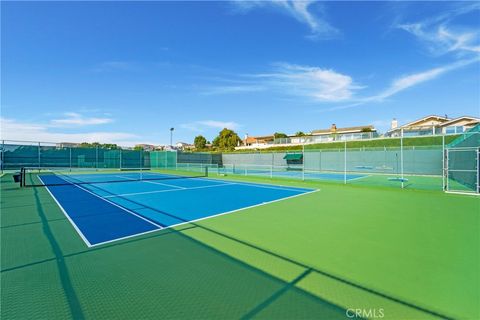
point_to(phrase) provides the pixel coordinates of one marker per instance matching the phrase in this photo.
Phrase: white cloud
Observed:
(414, 79)
(300, 10)
(405, 82)
(219, 124)
(76, 119)
(200, 126)
(441, 36)
(12, 129)
(323, 85)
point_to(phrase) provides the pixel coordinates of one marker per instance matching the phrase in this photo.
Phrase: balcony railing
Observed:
(326, 138)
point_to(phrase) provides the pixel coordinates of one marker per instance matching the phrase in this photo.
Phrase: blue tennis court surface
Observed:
(103, 212)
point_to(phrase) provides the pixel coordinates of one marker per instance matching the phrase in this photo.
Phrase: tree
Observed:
(200, 142)
(99, 145)
(226, 140)
(138, 148)
(300, 134)
(110, 146)
(278, 135)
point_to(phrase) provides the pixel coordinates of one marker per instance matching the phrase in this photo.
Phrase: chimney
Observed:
(333, 128)
(394, 124)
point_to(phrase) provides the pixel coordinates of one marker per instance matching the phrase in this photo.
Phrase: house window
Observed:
(449, 130)
(454, 129)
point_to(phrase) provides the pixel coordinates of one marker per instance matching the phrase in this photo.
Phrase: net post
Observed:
(21, 177)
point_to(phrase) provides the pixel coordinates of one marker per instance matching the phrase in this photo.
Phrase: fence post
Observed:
(446, 169)
(478, 170)
(70, 158)
(303, 161)
(401, 159)
(39, 160)
(443, 161)
(96, 158)
(345, 164)
(2, 159)
(120, 159)
(320, 160)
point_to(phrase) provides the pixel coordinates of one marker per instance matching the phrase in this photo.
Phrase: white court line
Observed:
(159, 183)
(67, 216)
(171, 190)
(119, 206)
(261, 185)
(213, 216)
(362, 177)
(116, 205)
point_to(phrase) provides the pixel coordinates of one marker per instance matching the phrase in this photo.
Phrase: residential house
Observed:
(258, 141)
(67, 145)
(184, 146)
(146, 147)
(343, 134)
(458, 125)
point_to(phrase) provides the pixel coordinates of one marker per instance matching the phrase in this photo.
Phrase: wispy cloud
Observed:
(414, 79)
(219, 124)
(310, 13)
(12, 129)
(76, 119)
(322, 85)
(440, 34)
(200, 126)
(407, 81)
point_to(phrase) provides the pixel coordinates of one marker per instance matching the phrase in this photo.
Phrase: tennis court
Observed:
(102, 210)
(127, 243)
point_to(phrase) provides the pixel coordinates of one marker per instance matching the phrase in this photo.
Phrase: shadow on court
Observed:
(166, 274)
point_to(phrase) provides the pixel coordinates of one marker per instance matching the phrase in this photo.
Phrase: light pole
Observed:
(171, 137)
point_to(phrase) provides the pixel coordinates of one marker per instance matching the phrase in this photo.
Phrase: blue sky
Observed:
(126, 72)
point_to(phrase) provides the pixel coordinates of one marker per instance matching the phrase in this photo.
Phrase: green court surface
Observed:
(414, 254)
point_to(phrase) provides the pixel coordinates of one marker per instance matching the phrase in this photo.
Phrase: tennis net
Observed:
(44, 176)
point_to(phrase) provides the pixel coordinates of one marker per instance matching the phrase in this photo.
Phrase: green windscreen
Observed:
(463, 162)
(163, 159)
